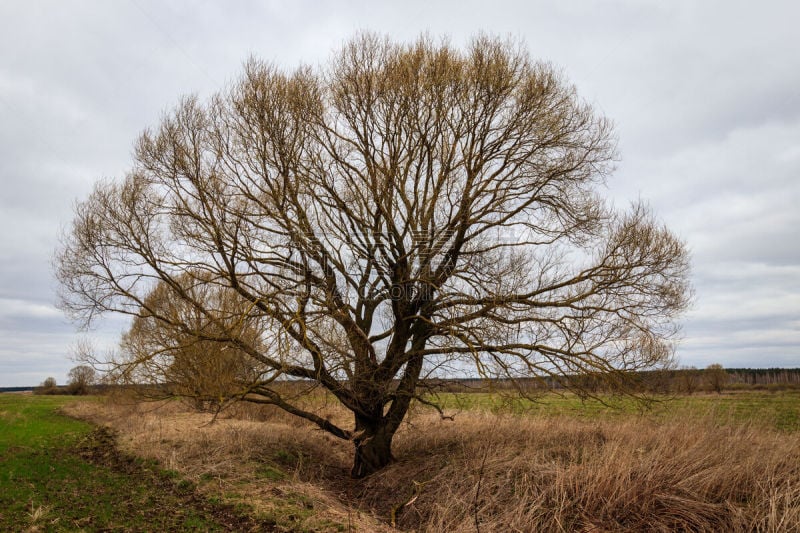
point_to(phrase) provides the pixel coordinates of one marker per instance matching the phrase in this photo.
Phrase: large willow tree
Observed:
(406, 208)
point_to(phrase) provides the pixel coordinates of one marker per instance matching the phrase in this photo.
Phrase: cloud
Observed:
(732, 198)
(745, 315)
(23, 310)
(704, 96)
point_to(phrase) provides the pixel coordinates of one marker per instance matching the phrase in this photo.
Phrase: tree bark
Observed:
(373, 452)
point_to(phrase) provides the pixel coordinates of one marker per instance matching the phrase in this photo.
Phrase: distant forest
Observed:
(764, 376)
(684, 380)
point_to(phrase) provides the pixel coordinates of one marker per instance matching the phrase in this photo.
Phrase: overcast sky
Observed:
(705, 97)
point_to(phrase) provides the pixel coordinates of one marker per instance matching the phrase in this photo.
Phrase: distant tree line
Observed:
(687, 380)
(765, 376)
(716, 378)
(81, 380)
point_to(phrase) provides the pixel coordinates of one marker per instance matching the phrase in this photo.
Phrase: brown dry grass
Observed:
(486, 472)
(524, 474)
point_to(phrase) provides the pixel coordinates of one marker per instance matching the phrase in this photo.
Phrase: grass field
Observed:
(59, 474)
(703, 462)
(780, 409)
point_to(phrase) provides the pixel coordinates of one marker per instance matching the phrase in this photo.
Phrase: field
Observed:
(705, 462)
(778, 410)
(60, 474)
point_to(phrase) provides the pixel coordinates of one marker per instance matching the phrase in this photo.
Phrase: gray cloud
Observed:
(704, 96)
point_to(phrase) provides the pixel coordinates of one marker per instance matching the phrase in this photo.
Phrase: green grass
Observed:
(779, 410)
(32, 422)
(52, 478)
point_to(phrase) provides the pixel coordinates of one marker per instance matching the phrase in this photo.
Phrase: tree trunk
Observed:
(373, 452)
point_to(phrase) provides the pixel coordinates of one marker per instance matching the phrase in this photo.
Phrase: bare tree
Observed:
(48, 386)
(407, 210)
(689, 379)
(716, 377)
(80, 379)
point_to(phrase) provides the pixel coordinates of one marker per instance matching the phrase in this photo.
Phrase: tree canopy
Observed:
(406, 209)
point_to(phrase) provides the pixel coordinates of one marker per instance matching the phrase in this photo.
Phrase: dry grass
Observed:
(523, 474)
(487, 472)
